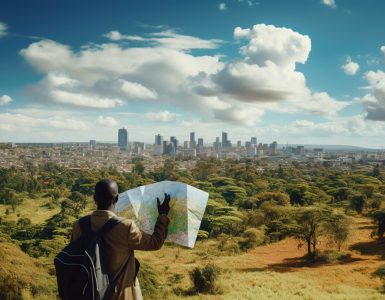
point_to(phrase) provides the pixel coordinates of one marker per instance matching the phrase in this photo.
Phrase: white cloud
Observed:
(5, 99)
(330, 3)
(279, 45)
(351, 67)
(374, 100)
(263, 78)
(3, 29)
(14, 122)
(107, 121)
(135, 90)
(161, 116)
(222, 6)
(167, 39)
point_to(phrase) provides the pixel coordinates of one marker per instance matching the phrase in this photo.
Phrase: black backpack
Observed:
(82, 267)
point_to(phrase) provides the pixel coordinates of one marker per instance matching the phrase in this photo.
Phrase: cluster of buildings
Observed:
(220, 148)
(99, 155)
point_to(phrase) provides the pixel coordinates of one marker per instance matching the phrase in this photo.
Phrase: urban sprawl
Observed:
(99, 155)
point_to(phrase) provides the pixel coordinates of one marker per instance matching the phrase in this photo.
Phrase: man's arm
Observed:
(139, 240)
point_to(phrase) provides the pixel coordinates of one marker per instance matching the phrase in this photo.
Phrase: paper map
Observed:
(187, 207)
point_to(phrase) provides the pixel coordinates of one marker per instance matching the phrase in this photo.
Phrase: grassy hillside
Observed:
(23, 277)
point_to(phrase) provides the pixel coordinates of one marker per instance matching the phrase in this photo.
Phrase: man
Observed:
(124, 238)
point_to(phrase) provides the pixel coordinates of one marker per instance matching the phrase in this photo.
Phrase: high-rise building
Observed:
(200, 143)
(225, 141)
(174, 141)
(92, 144)
(122, 139)
(273, 148)
(168, 148)
(239, 144)
(254, 140)
(158, 139)
(192, 140)
(217, 144)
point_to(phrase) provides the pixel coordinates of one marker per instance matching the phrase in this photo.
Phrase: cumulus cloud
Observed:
(374, 100)
(350, 67)
(222, 6)
(5, 99)
(3, 29)
(279, 45)
(263, 78)
(107, 121)
(110, 75)
(330, 3)
(161, 116)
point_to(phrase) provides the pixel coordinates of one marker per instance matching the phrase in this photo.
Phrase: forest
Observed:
(314, 207)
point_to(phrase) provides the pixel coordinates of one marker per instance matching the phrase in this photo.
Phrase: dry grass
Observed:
(37, 210)
(277, 271)
(17, 267)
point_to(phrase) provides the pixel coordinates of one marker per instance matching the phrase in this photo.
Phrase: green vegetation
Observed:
(312, 204)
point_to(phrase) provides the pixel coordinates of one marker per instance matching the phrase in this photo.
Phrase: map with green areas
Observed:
(187, 207)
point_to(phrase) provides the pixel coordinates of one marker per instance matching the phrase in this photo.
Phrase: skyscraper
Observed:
(193, 143)
(200, 143)
(158, 139)
(174, 141)
(225, 141)
(254, 141)
(122, 139)
(217, 144)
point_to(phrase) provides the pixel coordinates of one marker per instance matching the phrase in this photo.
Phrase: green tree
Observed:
(357, 202)
(308, 226)
(379, 220)
(337, 227)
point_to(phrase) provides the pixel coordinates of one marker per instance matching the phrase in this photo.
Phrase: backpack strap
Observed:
(111, 223)
(85, 225)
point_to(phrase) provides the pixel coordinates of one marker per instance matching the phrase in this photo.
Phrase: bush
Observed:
(228, 244)
(331, 256)
(202, 235)
(251, 238)
(11, 288)
(380, 272)
(204, 279)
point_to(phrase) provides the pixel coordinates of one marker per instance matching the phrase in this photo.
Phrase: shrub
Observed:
(202, 235)
(204, 279)
(251, 238)
(331, 256)
(380, 272)
(228, 244)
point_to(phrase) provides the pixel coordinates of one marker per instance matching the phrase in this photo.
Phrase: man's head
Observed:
(106, 194)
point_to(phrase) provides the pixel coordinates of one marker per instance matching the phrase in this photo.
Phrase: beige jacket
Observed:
(121, 241)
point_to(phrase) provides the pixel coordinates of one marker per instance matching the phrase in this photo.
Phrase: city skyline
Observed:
(249, 68)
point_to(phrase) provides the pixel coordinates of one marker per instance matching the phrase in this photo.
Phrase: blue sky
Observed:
(301, 71)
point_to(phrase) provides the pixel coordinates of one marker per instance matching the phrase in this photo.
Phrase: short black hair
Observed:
(106, 193)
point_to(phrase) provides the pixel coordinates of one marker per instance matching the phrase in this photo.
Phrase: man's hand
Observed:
(164, 208)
